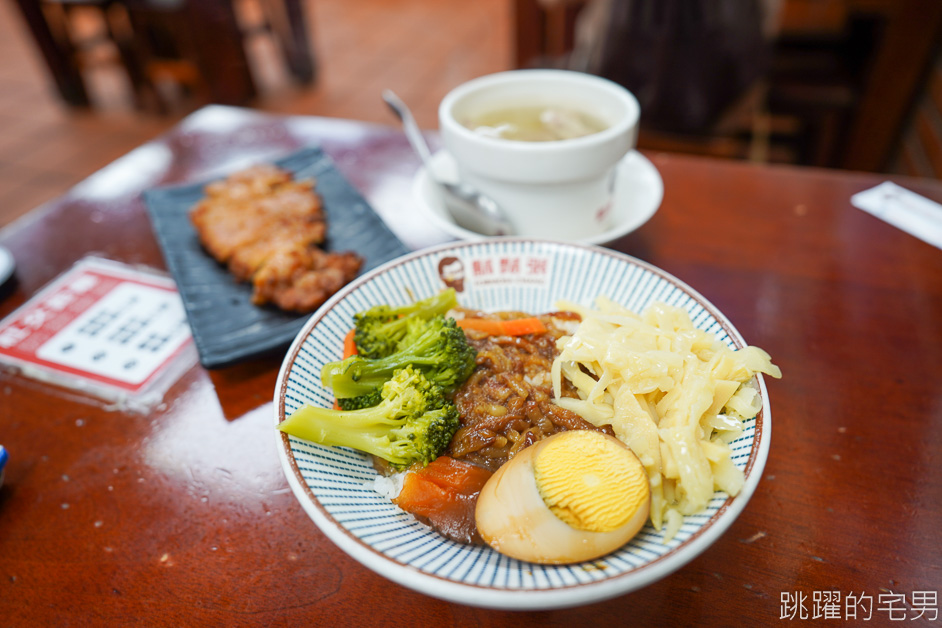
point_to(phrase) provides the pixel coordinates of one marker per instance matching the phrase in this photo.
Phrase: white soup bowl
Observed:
(560, 189)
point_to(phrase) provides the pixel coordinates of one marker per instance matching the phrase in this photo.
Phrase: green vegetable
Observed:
(368, 400)
(413, 422)
(381, 329)
(437, 347)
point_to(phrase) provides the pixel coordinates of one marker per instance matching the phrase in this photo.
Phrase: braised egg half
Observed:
(572, 497)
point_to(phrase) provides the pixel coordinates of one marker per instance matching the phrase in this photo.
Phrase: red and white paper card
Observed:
(101, 326)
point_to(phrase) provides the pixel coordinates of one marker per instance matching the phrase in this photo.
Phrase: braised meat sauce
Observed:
(507, 403)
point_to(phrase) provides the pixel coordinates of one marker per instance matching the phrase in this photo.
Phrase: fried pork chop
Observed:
(266, 228)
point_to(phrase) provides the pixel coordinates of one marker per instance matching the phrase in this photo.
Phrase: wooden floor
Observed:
(419, 48)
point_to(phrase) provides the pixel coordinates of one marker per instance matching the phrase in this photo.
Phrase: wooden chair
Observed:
(196, 47)
(68, 51)
(200, 45)
(918, 149)
(190, 52)
(284, 21)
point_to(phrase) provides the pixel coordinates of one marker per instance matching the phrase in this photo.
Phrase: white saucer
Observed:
(638, 193)
(6, 264)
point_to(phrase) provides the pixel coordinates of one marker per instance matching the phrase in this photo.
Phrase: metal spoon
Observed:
(470, 209)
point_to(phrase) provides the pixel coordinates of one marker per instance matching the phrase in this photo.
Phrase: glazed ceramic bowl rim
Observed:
(514, 78)
(408, 574)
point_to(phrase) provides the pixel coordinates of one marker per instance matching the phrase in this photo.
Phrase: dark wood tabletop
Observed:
(182, 514)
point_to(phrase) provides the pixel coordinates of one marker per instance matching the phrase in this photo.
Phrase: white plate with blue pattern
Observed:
(335, 485)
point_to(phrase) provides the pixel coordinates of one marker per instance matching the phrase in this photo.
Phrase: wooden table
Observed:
(183, 515)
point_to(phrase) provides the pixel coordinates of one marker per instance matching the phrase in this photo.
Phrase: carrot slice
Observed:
(510, 327)
(423, 497)
(349, 346)
(349, 349)
(445, 493)
(455, 475)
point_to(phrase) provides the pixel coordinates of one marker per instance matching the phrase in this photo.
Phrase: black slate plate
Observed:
(226, 326)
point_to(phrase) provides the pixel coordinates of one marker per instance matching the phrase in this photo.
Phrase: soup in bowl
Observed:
(535, 123)
(544, 144)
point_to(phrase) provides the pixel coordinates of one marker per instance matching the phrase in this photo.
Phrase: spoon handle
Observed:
(409, 125)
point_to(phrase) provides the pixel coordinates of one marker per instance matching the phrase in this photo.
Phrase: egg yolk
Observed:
(589, 482)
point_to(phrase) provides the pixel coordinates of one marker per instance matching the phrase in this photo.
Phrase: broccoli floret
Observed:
(413, 422)
(368, 400)
(380, 329)
(414, 329)
(440, 350)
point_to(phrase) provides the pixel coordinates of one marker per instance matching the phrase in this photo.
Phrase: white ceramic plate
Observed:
(638, 194)
(334, 485)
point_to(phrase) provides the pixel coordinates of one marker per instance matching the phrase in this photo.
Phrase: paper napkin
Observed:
(903, 209)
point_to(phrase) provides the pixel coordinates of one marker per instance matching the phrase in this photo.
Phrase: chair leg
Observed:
(121, 32)
(287, 21)
(223, 65)
(61, 63)
(198, 46)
